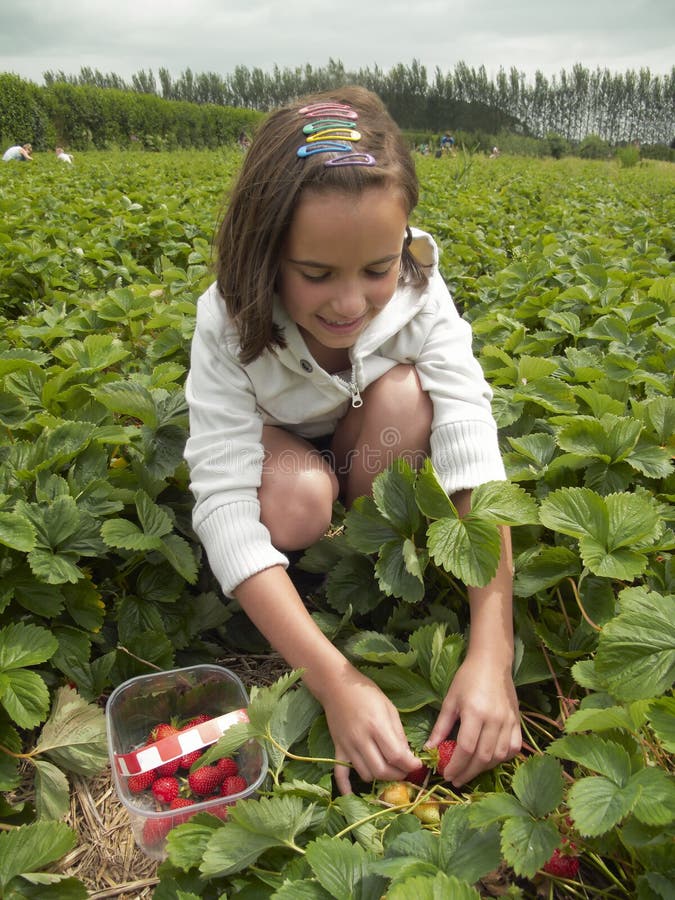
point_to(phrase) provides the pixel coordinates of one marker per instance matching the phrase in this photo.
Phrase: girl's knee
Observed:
(399, 396)
(297, 509)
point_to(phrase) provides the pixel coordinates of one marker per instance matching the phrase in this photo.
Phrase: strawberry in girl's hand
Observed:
(205, 780)
(165, 789)
(141, 782)
(564, 863)
(233, 784)
(418, 774)
(445, 752)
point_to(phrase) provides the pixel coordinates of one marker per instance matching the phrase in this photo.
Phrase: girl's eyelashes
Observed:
(324, 276)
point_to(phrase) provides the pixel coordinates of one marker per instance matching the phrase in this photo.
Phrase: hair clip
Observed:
(329, 109)
(324, 147)
(335, 134)
(320, 124)
(352, 159)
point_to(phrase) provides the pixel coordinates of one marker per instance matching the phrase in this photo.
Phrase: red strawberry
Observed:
(445, 752)
(418, 774)
(181, 803)
(141, 782)
(205, 780)
(155, 830)
(187, 761)
(161, 731)
(564, 863)
(227, 766)
(165, 789)
(169, 768)
(198, 720)
(233, 784)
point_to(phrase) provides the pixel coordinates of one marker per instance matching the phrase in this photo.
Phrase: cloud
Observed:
(218, 35)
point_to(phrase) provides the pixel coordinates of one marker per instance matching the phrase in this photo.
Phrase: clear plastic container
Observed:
(138, 705)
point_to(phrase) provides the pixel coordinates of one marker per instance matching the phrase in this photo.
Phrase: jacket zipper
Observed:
(353, 389)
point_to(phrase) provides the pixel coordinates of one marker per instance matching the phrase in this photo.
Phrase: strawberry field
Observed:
(565, 270)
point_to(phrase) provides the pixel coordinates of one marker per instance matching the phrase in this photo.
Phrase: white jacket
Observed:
(229, 403)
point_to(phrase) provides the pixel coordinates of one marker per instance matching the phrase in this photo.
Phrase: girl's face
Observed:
(341, 261)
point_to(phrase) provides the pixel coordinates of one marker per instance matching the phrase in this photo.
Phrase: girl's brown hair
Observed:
(250, 239)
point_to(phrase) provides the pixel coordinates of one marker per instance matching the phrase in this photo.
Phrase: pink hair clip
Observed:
(329, 109)
(353, 159)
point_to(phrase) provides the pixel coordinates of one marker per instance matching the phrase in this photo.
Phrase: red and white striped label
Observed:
(176, 745)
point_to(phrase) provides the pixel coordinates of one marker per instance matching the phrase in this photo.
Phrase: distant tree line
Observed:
(83, 117)
(619, 107)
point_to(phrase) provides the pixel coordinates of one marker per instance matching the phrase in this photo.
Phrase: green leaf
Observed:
(406, 690)
(598, 804)
(527, 844)
(25, 697)
(495, 808)
(25, 645)
(52, 791)
(154, 520)
(544, 568)
(181, 556)
(636, 650)
(55, 567)
(75, 735)
(373, 646)
(17, 532)
(662, 718)
(437, 887)
(341, 867)
(468, 548)
(351, 585)
(504, 504)
(538, 784)
(253, 827)
(129, 398)
(430, 495)
(366, 528)
(656, 801)
(126, 535)
(594, 753)
(394, 495)
(393, 576)
(627, 718)
(467, 853)
(32, 847)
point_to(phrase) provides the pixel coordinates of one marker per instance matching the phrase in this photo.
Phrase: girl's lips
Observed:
(341, 327)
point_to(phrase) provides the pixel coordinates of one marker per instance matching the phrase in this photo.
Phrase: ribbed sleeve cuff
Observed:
(237, 543)
(466, 454)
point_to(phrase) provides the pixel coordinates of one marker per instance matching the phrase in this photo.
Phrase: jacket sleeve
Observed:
(464, 442)
(224, 453)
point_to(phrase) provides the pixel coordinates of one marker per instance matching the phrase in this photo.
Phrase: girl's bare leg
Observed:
(297, 490)
(394, 421)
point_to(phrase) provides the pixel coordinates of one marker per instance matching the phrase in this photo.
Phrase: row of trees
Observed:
(618, 107)
(82, 117)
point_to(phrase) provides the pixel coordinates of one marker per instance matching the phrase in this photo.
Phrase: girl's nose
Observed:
(349, 300)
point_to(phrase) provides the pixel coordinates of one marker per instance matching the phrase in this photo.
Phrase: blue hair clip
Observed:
(324, 147)
(353, 159)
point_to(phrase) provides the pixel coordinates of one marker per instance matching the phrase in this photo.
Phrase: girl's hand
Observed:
(367, 732)
(483, 699)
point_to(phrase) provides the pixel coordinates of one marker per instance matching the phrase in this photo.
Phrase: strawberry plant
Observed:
(565, 271)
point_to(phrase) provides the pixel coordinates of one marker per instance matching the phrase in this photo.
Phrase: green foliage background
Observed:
(565, 269)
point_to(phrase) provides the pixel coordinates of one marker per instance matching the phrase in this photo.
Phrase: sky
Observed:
(125, 36)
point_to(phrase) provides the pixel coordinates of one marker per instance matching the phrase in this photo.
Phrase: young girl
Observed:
(329, 320)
